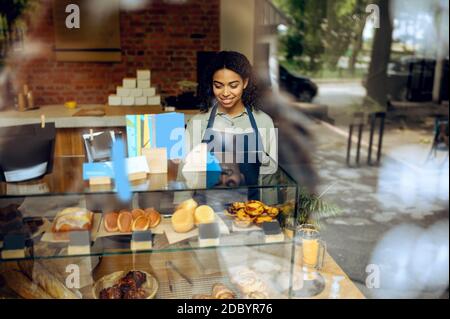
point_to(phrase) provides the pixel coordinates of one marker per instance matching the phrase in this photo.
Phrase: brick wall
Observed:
(164, 38)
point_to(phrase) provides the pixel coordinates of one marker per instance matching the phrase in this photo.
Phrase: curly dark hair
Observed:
(235, 62)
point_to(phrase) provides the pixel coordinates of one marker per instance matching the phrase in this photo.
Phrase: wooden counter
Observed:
(71, 125)
(73, 118)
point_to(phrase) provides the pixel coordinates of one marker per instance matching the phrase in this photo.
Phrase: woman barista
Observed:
(231, 121)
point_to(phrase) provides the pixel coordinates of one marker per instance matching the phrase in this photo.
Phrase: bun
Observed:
(125, 222)
(204, 215)
(182, 221)
(153, 216)
(189, 205)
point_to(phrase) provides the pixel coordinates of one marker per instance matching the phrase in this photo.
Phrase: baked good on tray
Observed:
(126, 221)
(23, 286)
(46, 280)
(130, 286)
(73, 219)
(218, 291)
(251, 212)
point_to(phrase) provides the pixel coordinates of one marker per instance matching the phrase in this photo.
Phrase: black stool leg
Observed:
(358, 150)
(380, 137)
(372, 129)
(349, 143)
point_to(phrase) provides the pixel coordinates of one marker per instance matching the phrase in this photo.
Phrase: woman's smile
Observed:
(227, 101)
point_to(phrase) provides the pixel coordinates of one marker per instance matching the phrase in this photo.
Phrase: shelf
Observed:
(67, 179)
(121, 245)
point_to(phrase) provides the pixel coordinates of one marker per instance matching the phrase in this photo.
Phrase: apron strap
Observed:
(212, 118)
(255, 129)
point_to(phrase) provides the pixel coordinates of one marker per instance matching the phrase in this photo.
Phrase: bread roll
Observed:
(204, 215)
(189, 205)
(23, 286)
(182, 221)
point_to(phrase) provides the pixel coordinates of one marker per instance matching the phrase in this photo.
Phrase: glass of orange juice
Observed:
(310, 248)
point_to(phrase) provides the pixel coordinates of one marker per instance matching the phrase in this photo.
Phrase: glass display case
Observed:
(191, 235)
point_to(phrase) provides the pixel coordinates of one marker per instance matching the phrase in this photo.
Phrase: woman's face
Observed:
(228, 87)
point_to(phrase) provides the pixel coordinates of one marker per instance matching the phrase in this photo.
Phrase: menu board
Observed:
(98, 35)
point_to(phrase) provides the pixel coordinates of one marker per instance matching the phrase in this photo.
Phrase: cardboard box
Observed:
(114, 100)
(149, 92)
(140, 100)
(121, 91)
(154, 100)
(128, 100)
(143, 84)
(129, 83)
(144, 75)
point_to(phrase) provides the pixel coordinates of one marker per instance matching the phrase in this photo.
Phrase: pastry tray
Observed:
(201, 285)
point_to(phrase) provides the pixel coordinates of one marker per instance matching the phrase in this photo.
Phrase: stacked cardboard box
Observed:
(136, 91)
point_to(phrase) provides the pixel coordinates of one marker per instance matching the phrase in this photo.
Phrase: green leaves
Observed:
(312, 209)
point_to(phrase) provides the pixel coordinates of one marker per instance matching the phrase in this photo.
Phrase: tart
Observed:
(254, 208)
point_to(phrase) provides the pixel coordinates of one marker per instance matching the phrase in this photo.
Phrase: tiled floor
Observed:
(375, 200)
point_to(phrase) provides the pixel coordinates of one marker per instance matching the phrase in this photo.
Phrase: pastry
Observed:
(126, 284)
(73, 218)
(128, 287)
(254, 208)
(23, 286)
(138, 277)
(204, 215)
(263, 219)
(111, 293)
(202, 296)
(110, 222)
(46, 280)
(257, 295)
(137, 212)
(242, 223)
(153, 216)
(242, 215)
(182, 221)
(135, 294)
(252, 211)
(233, 209)
(189, 205)
(141, 223)
(220, 291)
(125, 222)
(272, 211)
